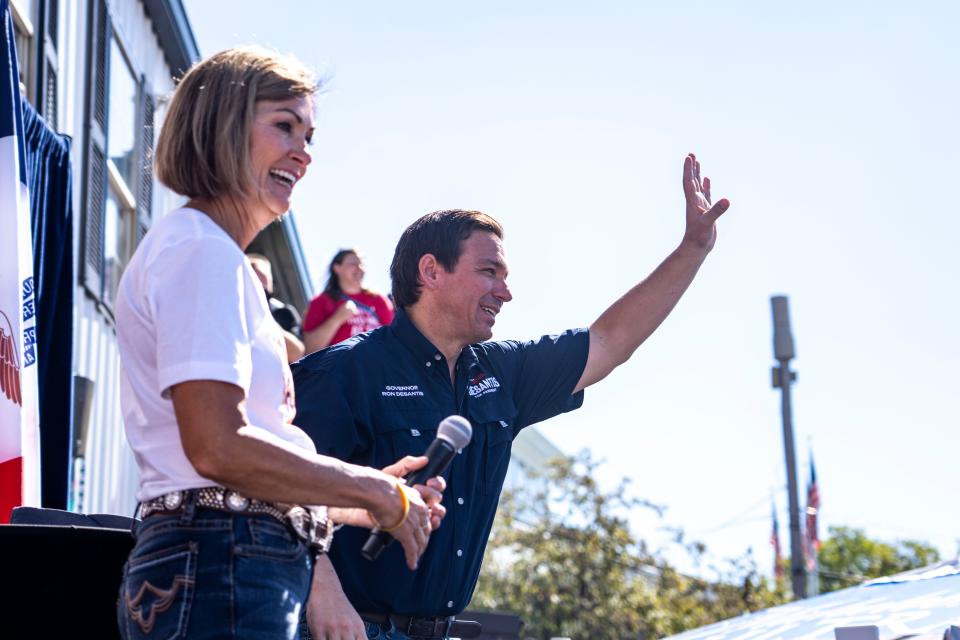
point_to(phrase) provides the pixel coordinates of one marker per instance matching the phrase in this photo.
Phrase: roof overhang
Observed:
(173, 30)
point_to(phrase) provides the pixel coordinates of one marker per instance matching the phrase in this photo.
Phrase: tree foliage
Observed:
(562, 556)
(849, 557)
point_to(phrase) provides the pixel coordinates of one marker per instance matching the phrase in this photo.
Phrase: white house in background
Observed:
(101, 71)
(531, 453)
(98, 71)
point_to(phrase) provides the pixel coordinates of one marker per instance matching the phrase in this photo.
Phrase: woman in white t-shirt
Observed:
(224, 550)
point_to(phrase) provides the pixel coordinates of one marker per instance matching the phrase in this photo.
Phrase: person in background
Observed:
(344, 309)
(229, 485)
(286, 315)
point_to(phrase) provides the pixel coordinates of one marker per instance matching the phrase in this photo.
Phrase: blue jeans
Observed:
(376, 632)
(207, 574)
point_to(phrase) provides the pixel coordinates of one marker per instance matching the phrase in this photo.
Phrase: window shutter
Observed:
(95, 148)
(46, 35)
(50, 97)
(53, 15)
(145, 157)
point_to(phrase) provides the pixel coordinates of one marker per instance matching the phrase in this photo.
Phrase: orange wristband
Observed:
(405, 503)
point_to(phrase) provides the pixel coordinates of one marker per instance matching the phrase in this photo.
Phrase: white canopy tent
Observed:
(920, 603)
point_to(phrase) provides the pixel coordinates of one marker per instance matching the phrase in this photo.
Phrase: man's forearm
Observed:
(629, 321)
(329, 613)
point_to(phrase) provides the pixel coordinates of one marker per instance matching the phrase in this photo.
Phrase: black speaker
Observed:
(61, 581)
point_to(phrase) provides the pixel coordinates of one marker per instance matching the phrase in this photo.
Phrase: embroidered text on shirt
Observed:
(401, 391)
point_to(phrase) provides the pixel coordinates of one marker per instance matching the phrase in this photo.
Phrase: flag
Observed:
(775, 541)
(813, 507)
(19, 431)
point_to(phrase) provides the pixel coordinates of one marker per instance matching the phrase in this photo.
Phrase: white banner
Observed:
(19, 432)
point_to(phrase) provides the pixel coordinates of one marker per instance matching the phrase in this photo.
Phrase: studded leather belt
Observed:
(310, 524)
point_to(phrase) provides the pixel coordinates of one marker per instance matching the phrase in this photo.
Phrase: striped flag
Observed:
(19, 432)
(775, 541)
(813, 508)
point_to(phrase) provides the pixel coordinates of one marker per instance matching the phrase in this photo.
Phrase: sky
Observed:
(831, 127)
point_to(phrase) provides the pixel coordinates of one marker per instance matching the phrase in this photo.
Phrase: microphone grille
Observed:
(456, 430)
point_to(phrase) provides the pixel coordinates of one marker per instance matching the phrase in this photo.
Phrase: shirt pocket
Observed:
(406, 433)
(496, 422)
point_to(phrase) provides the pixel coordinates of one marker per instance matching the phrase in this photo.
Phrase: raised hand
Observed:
(702, 214)
(348, 310)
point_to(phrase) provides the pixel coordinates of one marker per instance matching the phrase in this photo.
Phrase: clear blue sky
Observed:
(830, 126)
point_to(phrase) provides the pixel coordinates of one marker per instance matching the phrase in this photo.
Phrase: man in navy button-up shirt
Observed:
(381, 395)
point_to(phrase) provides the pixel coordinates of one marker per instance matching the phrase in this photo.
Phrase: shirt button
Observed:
(429, 363)
(459, 552)
(459, 500)
(437, 356)
(450, 604)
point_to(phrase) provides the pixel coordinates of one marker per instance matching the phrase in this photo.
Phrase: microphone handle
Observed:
(439, 456)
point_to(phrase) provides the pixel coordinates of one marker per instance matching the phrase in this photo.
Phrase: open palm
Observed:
(702, 214)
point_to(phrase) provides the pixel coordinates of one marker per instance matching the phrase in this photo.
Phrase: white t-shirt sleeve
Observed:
(196, 292)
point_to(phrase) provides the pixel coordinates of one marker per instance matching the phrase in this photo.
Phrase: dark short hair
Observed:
(441, 234)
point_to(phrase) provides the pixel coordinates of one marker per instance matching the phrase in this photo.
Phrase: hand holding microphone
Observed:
(453, 434)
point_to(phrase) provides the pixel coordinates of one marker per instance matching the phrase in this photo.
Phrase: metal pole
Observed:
(798, 575)
(782, 379)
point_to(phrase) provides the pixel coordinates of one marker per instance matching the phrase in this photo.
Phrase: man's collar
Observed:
(419, 345)
(410, 336)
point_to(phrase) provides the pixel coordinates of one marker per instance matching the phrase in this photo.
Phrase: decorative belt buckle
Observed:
(299, 519)
(235, 501)
(172, 500)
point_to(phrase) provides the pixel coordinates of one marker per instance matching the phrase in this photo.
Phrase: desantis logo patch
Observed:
(482, 384)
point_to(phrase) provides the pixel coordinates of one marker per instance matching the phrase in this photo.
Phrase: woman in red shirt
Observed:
(345, 308)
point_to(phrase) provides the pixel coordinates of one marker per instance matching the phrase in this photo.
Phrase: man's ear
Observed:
(429, 270)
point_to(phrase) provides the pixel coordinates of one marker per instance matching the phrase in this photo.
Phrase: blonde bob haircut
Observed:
(204, 147)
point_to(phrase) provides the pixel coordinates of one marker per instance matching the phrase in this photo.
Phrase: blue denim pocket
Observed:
(156, 593)
(271, 540)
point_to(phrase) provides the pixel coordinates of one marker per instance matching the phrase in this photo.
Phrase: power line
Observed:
(737, 519)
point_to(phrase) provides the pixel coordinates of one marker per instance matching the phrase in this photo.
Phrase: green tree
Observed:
(849, 557)
(562, 556)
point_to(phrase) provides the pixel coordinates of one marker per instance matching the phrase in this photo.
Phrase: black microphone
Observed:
(453, 434)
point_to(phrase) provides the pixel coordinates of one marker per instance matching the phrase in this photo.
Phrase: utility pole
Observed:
(783, 351)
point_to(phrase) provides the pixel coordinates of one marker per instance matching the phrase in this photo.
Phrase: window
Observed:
(121, 207)
(24, 15)
(35, 25)
(118, 177)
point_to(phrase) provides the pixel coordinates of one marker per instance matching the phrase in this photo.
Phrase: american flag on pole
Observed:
(775, 541)
(813, 507)
(19, 431)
